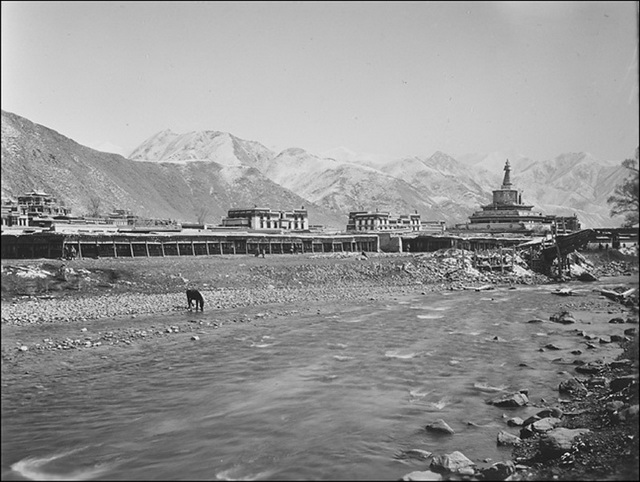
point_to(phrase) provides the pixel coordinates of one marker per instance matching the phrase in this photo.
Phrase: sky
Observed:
(388, 79)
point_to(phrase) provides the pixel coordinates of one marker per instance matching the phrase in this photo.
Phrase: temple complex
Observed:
(507, 213)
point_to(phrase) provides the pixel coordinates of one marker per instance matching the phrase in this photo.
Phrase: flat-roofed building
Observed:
(382, 221)
(264, 218)
(32, 209)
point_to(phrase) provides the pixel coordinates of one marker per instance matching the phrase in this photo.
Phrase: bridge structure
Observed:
(563, 245)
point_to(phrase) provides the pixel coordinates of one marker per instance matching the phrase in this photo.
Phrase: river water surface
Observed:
(334, 395)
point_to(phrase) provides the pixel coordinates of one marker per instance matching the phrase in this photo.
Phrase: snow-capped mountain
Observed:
(170, 175)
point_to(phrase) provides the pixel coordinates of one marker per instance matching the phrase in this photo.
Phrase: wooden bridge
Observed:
(560, 247)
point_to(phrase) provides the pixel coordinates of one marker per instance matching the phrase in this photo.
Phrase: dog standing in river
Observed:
(196, 297)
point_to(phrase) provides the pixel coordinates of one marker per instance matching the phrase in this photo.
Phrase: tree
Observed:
(94, 206)
(202, 213)
(625, 199)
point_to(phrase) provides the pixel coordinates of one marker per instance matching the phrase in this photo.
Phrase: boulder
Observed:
(499, 471)
(630, 413)
(539, 426)
(564, 317)
(544, 413)
(506, 438)
(515, 422)
(556, 442)
(545, 424)
(587, 276)
(573, 386)
(623, 363)
(621, 383)
(454, 462)
(614, 406)
(425, 475)
(416, 454)
(516, 399)
(440, 426)
(591, 367)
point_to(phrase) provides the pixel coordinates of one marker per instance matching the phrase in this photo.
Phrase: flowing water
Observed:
(333, 395)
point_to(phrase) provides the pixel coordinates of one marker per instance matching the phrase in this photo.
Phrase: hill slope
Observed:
(36, 157)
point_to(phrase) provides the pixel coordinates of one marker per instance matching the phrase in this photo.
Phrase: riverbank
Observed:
(67, 314)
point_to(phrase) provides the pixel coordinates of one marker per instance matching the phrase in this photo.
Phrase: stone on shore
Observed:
(540, 426)
(499, 471)
(573, 387)
(425, 475)
(516, 399)
(559, 440)
(455, 462)
(506, 438)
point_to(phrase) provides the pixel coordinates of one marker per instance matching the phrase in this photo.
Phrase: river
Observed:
(337, 394)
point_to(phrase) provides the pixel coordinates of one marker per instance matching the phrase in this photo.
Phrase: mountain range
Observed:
(201, 175)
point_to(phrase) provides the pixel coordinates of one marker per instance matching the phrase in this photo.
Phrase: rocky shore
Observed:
(48, 304)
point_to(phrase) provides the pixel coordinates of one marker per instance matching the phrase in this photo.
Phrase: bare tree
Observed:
(95, 204)
(625, 198)
(202, 213)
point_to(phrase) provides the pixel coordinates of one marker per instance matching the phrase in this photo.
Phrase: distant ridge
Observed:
(173, 176)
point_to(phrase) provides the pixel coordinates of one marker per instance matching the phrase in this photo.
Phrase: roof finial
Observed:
(506, 182)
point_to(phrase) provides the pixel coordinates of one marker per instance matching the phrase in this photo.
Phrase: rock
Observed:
(417, 454)
(559, 440)
(515, 422)
(551, 346)
(614, 406)
(506, 438)
(545, 424)
(195, 337)
(631, 331)
(617, 319)
(591, 368)
(516, 399)
(499, 471)
(564, 317)
(536, 320)
(440, 426)
(573, 386)
(454, 462)
(630, 413)
(535, 425)
(587, 276)
(621, 383)
(426, 475)
(625, 362)
(24, 348)
(549, 412)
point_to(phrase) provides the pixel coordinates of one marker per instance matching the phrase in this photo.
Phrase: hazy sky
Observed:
(387, 78)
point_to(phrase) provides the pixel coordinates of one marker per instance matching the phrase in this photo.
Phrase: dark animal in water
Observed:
(196, 297)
